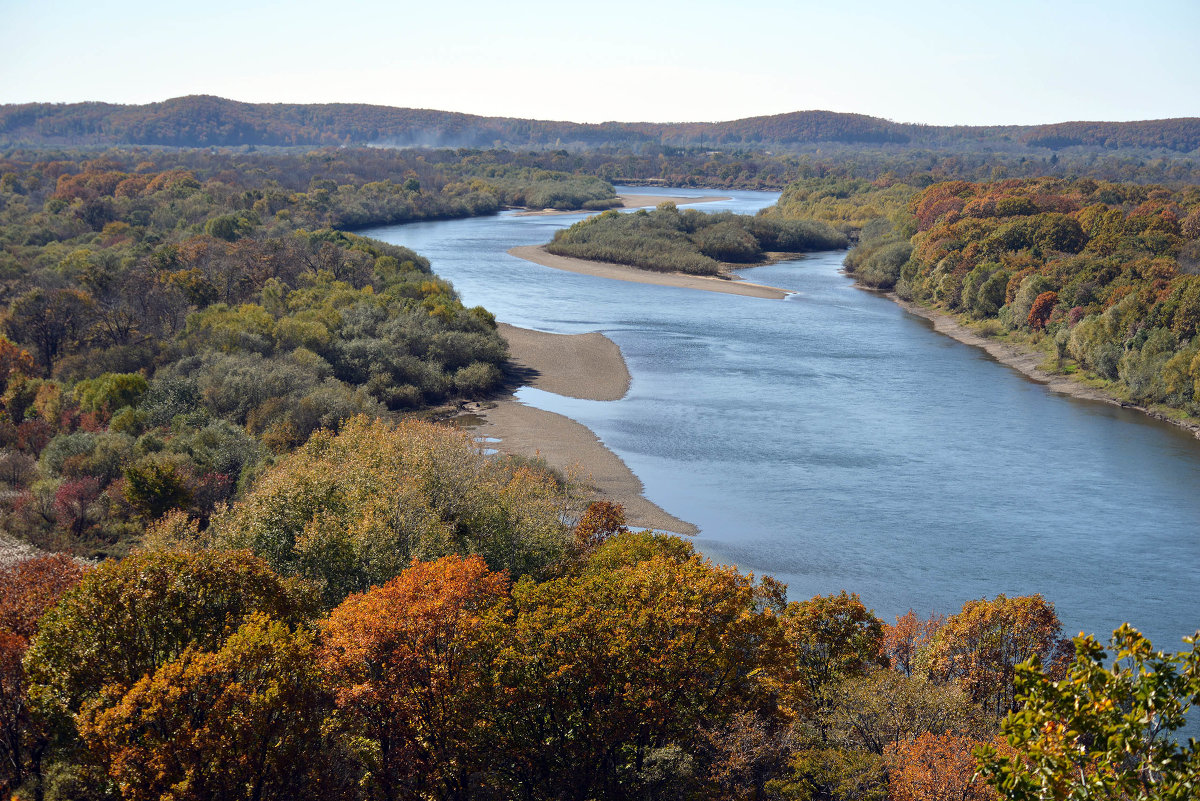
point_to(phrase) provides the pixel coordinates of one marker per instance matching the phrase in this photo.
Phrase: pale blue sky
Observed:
(1009, 61)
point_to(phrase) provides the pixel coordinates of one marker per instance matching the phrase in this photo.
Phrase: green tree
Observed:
(128, 618)
(1102, 731)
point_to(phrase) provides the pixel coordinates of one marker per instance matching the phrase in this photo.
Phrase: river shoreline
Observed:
(628, 201)
(1027, 362)
(620, 272)
(585, 366)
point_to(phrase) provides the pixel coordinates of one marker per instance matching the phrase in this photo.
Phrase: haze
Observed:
(934, 62)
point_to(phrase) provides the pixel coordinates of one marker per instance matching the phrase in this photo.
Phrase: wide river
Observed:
(835, 441)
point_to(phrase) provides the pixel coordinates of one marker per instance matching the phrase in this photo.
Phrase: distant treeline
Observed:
(691, 241)
(203, 121)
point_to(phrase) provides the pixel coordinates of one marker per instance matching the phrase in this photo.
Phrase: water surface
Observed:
(835, 441)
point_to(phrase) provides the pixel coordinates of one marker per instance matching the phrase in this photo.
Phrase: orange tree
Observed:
(981, 646)
(241, 722)
(410, 665)
(27, 589)
(936, 767)
(906, 643)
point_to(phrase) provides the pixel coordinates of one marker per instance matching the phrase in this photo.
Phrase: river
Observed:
(835, 441)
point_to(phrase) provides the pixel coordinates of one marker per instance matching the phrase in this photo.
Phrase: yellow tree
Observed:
(350, 510)
(981, 646)
(128, 618)
(243, 722)
(613, 669)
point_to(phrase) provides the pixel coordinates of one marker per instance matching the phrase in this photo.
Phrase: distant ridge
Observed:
(204, 120)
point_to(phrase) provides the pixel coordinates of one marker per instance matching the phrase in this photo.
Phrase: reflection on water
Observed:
(835, 441)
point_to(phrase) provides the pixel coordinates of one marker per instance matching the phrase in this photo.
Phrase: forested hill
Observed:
(201, 121)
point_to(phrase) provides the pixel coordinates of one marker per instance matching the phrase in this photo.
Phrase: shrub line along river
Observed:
(835, 441)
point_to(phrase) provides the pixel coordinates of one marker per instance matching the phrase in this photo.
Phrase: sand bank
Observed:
(587, 366)
(620, 272)
(1028, 362)
(573, 448)
(630, 202)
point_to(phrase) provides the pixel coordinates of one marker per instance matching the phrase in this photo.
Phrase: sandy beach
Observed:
(620, 272)
(631, 202)
(587, 366)
(1028, 361)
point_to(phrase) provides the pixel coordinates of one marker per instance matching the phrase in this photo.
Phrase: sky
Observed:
(927, 61)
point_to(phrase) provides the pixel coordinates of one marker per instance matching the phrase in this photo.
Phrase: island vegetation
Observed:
(668, 240)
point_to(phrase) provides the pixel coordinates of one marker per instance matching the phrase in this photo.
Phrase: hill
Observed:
(203, 121)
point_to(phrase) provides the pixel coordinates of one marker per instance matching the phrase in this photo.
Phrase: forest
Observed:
(691, 241)
(293, 585)
(290, 650)
(205, 121)
(175, 321)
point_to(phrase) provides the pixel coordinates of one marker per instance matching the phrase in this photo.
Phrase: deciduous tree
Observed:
(936, 767)
(27, 589)
(411, 665)
(981, 646)
(128, 618)
(1102, 730)
(242, 723)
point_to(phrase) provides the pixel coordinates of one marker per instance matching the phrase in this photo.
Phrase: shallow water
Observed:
(835, 441)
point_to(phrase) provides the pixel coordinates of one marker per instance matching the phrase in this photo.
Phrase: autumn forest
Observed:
(253, 561)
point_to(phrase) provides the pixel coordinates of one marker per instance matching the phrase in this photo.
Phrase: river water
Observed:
(837, 442)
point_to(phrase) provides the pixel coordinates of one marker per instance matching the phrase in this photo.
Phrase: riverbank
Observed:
(586, 366)
(620, 272)
(1029, 362)
(630, 202)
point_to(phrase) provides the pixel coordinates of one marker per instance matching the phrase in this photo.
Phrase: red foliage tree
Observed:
(27, 590)
(904, 641)
(1043, 306)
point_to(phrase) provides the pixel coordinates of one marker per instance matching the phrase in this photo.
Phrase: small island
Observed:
(691, 241)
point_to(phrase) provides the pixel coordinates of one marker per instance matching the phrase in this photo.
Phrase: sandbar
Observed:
(574, 449)
(587, 366)
(620, 272)
(1028, 362)
(628, 202)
